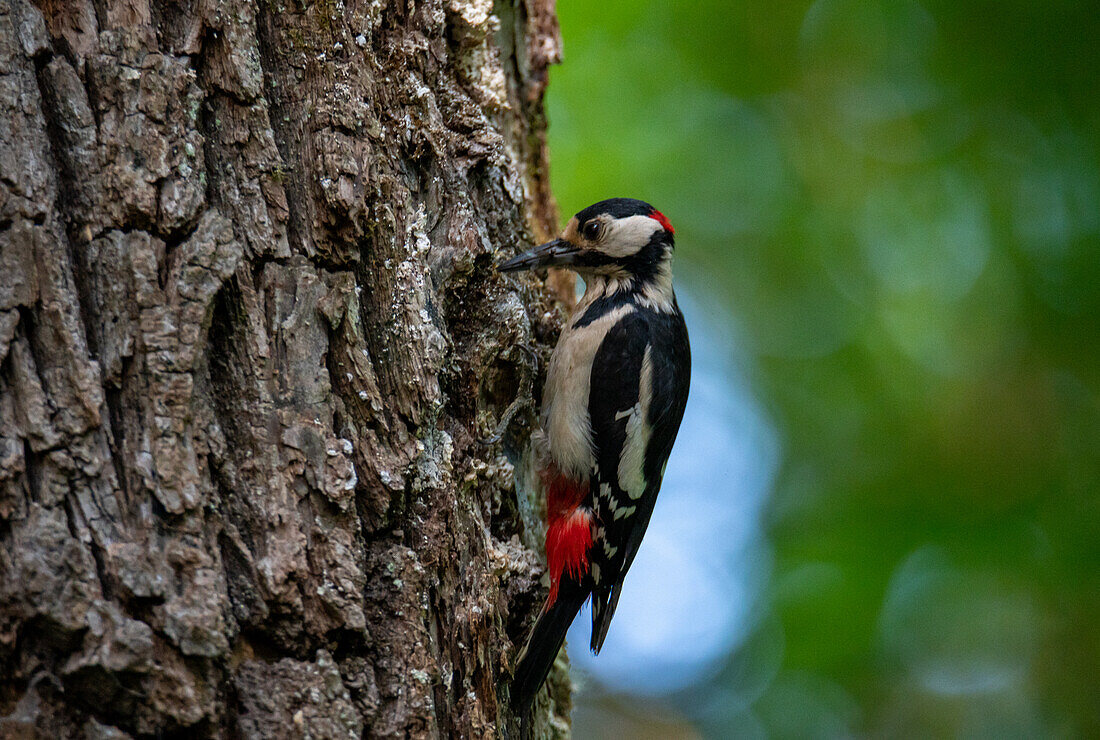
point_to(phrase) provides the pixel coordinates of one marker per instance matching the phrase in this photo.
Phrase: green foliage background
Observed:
(898, 205)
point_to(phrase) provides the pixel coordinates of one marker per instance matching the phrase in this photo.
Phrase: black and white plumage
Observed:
(615, 393)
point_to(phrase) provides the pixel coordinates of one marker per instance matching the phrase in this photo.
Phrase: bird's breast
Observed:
(565, 418)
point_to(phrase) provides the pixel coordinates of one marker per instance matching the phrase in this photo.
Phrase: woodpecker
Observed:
(615, 393)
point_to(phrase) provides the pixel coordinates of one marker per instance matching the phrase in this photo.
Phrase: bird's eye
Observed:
(592, 230)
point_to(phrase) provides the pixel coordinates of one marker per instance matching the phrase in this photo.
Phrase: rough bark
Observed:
(250, 338)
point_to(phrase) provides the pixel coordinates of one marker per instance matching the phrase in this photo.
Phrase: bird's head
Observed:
(622, 239)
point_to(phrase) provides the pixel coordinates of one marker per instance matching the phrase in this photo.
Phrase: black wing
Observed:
(616, 372)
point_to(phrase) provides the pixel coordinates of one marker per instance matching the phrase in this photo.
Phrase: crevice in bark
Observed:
(282, 127)
(77, 530)
(114, 398)
(173, 21)
(230, 402)
(66, 192)
(32, 472)
(443, 697)
(206, 129)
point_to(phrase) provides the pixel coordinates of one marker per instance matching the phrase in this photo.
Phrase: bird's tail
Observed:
(543, 645)
(604, 602)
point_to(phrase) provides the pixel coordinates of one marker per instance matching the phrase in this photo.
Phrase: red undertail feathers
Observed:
(568, 531)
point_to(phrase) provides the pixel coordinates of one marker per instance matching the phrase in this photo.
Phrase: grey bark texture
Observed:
(250, 344)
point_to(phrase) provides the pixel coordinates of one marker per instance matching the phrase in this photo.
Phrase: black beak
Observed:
(550, 254)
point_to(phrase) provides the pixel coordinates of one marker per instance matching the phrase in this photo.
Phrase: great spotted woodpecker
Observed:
(615, 393)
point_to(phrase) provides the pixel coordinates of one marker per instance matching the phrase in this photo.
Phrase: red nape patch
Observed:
(568, 530)
(660, 218)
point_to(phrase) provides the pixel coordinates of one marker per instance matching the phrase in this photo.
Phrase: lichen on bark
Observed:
(251, 348)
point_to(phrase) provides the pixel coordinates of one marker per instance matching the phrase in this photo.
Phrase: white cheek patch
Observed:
(626, 236)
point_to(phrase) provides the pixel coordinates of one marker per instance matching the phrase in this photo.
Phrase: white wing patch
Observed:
(632, 461)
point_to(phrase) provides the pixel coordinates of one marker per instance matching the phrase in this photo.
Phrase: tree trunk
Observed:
(250, 341)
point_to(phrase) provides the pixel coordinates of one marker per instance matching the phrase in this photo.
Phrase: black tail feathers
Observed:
(542, 647)
(604, 602)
